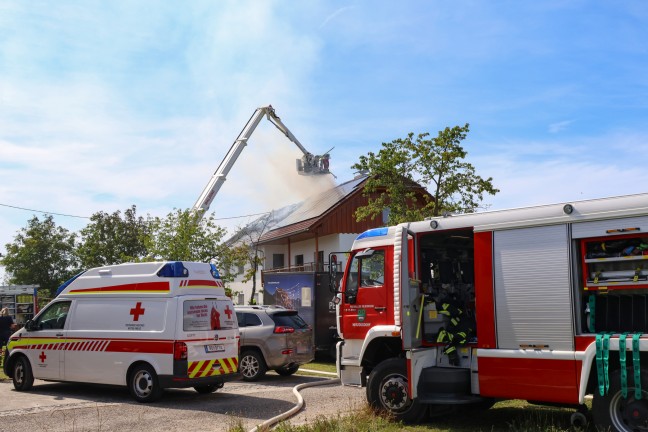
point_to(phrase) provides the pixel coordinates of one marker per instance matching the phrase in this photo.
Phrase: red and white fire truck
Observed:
(545, 304)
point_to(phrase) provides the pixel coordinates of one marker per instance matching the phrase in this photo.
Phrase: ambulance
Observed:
(148, 326)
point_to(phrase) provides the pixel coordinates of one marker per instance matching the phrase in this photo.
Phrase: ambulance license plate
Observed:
(214, 348)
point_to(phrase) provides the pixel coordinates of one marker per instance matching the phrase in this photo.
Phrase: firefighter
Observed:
(459, 331)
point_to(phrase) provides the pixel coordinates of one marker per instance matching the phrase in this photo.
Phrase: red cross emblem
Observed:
(42, 356)
(228, 312)
(137, 311)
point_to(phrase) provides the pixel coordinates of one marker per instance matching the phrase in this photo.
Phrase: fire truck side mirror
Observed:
(333, 273)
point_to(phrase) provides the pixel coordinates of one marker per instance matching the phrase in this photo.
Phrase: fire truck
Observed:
(547, 304)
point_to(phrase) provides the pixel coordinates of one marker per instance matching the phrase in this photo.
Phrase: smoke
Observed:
(266, 173)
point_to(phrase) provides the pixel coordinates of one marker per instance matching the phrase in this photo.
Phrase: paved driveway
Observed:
(80, 407)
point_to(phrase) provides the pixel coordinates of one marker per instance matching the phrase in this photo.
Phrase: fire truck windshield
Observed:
(366, 270)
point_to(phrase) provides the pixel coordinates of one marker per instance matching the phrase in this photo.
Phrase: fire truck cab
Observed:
(545, 303)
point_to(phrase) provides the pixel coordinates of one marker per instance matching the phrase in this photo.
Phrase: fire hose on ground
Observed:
(294, 410)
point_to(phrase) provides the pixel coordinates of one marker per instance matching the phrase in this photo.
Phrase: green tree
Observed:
(184, 235)
(436, 163)
(113, 239)
(245, 250)
(41, 254)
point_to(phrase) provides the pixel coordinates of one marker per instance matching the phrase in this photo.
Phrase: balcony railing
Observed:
(306, 267)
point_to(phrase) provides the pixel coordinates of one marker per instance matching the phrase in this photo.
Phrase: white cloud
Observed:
(560, 126)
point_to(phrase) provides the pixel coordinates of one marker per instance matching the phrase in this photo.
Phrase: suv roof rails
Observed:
(259, 307)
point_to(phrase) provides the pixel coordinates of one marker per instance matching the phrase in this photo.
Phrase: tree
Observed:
(110, 239)
(437, 162)
(184, 236)
(245, 250)
(41, 254)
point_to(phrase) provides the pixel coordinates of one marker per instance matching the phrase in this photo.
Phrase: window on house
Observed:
(299, 261)
(277, 260)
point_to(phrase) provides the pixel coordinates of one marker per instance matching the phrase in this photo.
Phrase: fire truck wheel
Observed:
(287, 370)
(22, 376)
(252, 365)
(143, 383)
(614, 412)
(387, 391)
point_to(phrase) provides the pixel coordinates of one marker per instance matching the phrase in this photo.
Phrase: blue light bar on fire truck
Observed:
(375, 232)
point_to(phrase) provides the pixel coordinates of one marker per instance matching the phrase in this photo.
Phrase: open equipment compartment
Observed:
(615, 282)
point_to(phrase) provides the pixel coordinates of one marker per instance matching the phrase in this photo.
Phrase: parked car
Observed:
(272, 338)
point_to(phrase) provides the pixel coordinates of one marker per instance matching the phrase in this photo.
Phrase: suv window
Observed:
(247, 319)
(289, 319)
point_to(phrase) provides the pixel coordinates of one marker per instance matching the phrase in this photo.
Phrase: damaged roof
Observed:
(308, 212)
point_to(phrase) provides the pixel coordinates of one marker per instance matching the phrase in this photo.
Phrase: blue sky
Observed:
(108, 104)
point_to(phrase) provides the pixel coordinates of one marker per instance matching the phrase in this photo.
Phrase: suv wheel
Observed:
(288, 370)
(252, 366)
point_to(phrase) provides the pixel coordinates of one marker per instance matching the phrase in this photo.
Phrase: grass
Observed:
(320, 366)
(506, 416)
(2, 375)
(509, 416)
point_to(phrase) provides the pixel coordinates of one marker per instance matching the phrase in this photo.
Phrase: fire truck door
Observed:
(405, 251)
(364, 302)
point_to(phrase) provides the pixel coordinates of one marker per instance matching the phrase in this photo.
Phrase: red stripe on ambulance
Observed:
(140, 346)
(159, 287)
(196, 283)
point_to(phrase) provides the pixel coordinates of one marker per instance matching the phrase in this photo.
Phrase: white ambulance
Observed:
(149, 326)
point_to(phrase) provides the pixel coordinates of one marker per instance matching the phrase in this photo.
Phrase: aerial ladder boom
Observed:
(309, 164)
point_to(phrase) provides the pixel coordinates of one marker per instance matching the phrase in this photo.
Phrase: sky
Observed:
(106, 105)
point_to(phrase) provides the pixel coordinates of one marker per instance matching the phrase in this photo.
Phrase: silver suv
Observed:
(272, 338)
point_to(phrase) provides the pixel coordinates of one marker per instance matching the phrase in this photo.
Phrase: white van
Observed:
(149, 326)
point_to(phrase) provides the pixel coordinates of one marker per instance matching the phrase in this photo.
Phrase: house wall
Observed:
(328, 244)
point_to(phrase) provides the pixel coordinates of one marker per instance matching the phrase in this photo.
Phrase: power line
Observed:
(88, 217)
(45, 212)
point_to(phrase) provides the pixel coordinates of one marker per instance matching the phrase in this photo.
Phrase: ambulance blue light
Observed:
(375, 232)
(68, 282)
(214, 271)
(173, 269)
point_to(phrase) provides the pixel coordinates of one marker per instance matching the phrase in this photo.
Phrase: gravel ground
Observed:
(54, 407)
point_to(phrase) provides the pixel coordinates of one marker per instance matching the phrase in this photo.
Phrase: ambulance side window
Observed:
(54, 317)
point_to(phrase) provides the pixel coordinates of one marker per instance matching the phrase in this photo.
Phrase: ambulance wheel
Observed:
(143, 384)
(252, 365)
(23, 378)
(206, 389)
(288, 370)
(387, 392)
(614, 412)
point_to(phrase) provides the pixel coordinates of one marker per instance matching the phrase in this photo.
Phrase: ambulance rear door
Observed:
(210, 332)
